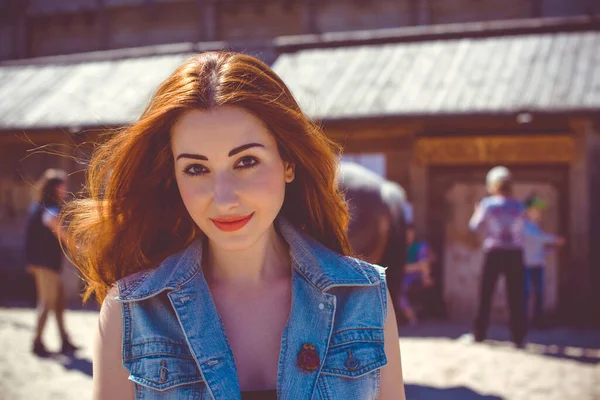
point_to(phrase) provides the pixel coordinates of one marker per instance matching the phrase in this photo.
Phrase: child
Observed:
(536, 243)
(417, 270)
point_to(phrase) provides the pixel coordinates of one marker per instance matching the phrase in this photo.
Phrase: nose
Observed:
(225, 193)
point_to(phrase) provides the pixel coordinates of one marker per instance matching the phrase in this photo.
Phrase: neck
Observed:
(266, 261)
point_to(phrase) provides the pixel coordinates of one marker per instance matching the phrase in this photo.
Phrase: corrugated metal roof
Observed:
(96, 93)
(503, 74)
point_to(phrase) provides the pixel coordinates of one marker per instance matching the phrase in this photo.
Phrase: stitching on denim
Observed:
(356, 374)
(159, 353)
(377, 382)
(138, 390)
(281, 363)
(323, 390)
(330, 329)
(142, 343)
(383, 294)
(357, 329)
(146, 382)
(334, 346)
(126, 336)
(208, 388)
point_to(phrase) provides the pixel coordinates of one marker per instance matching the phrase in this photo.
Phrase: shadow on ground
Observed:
(418, 392)
(582, 345)
(80, 364)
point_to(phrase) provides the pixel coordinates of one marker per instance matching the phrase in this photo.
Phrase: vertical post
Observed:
(574, 285)
(593, 148)
(425, 8)
(415, 12)
(21, 35)
(309, 16)
(103, 31)
(208, 28)
(536, 8)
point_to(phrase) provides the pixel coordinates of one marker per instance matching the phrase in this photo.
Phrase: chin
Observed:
(233, 244)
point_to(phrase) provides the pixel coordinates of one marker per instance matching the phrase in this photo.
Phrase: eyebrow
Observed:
(232, 153)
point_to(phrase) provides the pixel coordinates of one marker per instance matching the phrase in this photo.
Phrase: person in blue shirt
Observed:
(417, 271)
(535, 248)
(502, 218)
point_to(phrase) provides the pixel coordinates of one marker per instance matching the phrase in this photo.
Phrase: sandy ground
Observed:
(557, 364)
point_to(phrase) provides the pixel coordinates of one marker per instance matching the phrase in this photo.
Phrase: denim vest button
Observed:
(352, 363)
(163, 371)
(321, 306)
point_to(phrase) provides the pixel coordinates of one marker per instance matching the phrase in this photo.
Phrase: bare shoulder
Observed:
(110, 376)
(392, 383)
(110, 313)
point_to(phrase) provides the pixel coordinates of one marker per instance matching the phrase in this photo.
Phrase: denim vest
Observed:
(175, 346)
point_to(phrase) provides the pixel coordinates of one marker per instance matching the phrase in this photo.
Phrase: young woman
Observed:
(43, 255)
(216, 237)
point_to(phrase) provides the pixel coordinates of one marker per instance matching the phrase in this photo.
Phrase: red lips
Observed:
(230, 224)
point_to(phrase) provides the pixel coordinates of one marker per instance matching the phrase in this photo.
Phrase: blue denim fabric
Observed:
(534, 278)
(175, 346)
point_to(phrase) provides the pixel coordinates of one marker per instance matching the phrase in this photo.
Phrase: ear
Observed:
(290, 171)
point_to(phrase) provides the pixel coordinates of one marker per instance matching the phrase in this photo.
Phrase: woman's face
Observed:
(230, 175)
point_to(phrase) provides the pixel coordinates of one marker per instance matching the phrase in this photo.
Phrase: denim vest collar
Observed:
(322, 267)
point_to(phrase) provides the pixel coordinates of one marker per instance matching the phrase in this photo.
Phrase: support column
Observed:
(208, 28)
(575, 280)
(418, 196)
(21, 36)
(103, 22)
(309, 16)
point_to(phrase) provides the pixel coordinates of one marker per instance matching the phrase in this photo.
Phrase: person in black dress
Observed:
(44, 257)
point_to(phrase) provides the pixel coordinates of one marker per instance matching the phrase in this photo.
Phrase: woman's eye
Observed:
(195, 169)
(247, 162)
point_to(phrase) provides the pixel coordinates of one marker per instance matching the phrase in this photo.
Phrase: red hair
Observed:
(132, 216)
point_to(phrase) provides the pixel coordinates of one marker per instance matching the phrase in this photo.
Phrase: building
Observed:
(440, 104)
(444, 105)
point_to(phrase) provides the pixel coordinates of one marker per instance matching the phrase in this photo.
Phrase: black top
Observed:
(41, 245)
(260, 395)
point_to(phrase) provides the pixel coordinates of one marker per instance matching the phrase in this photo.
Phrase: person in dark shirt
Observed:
(44, 257)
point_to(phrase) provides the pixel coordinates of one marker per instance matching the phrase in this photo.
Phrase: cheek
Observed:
(268, 187)
(192, 193)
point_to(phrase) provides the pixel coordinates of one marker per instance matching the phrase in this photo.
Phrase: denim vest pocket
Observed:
(353, 353)
(161, 365)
